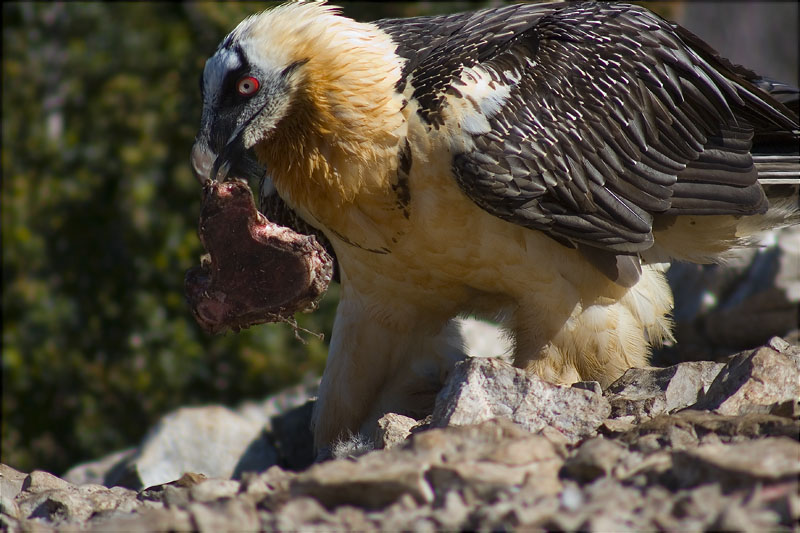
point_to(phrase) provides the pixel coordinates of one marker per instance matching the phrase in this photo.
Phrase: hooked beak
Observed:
(207, 166)
(202, 161)
(235, 162)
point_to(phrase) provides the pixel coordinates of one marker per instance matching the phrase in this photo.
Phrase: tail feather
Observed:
(776, 154)
(778, 169)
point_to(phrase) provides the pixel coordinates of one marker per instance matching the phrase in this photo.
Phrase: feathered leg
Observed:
(377, 366)
(602, 336)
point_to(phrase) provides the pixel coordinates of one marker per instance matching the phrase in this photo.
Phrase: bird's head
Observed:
(247, 88)
(292, 89)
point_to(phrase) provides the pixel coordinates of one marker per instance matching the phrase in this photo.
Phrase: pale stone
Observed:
(482, 389)
(392, 429)
(752, 382)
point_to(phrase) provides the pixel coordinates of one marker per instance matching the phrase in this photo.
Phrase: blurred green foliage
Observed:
(99, 212)
(99, 215)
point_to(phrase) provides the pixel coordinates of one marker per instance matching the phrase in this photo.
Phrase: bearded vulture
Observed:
(537, 164)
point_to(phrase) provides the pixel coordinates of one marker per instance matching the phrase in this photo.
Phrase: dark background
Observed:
(99, 214)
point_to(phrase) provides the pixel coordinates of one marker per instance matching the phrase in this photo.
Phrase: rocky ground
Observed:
(695, 446)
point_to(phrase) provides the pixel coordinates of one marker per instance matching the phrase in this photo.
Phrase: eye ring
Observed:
(247, 86)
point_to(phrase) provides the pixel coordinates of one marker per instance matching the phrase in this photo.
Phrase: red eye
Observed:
(247, 86)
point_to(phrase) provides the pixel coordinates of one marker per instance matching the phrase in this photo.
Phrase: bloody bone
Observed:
(255, 271)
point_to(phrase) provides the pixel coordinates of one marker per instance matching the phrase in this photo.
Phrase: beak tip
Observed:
(202, 163)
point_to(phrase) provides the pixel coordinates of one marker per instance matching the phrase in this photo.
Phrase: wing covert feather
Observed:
(607, 116)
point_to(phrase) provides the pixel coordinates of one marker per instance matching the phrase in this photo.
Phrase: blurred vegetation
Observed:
(99, 213)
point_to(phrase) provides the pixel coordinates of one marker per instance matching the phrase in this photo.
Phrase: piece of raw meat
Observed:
(255, 271)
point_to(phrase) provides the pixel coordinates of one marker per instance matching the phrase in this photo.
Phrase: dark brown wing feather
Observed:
(614, 115)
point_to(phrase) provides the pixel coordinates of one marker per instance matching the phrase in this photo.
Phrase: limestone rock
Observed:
(214, 489)
(481, 389)
(108, 470)
(646, 392)
(595, 458)
(593, 386)
(392, 429)
(662, 467)
(52, 499)
(688, 428)
(753, 382)
(214, 441)
(145, 521)
(487, 472)
(371, 482)
(175, 492)
(274, 480)
(38, 481)
(229, 515)
(781, 345)
(286, 416)
(298, 512)
(11, 483)
(739, 464)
